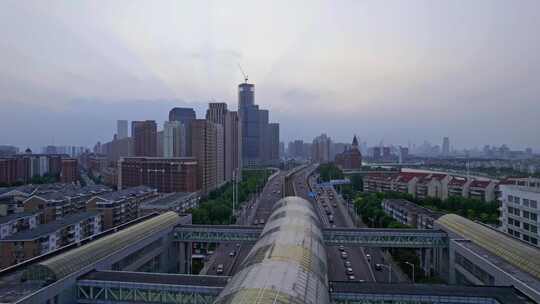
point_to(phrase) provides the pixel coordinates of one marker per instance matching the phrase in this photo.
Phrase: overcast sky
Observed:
(385, 70)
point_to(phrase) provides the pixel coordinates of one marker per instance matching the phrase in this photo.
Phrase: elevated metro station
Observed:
(287, 264)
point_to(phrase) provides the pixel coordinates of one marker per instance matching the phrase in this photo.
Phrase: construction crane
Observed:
(243, 73)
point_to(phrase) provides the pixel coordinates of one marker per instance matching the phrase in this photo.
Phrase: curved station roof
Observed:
(287, 264)
(74, 260)
(513, 251)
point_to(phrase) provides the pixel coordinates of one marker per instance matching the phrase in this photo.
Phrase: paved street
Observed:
(256, 211)
(363, 270)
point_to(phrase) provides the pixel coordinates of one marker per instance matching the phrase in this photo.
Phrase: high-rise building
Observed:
(249, 119)
(446, 146)
(178, 174)
(217, 113)
(185, 116)
(234, 158)
(159, 143)
(386, 153)
(8, 150)
(256, 135)
(264, 138)
(296, 149)
(70, 171)
(144, 135)
(320, 149)
(121, 129)
(120, 148)
(377, 153)
(220, 154)
(274, 144)
(203, 143)
(174, 139)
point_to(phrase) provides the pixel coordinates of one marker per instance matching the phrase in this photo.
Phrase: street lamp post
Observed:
(412, 265)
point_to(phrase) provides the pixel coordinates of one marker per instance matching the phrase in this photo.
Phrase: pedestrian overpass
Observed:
(162, 288)
(362, 237)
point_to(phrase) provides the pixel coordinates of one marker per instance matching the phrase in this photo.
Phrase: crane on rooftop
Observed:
(243, 73)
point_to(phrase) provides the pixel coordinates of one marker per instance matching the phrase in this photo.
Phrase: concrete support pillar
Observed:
(170, 256)
(184, 259)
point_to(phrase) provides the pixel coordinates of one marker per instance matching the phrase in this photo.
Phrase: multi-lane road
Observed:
(257, 212)
(332, 211)
(361, 260)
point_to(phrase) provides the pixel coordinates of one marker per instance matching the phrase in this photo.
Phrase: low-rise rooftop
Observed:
(14, 216)
(125, 193)
(412, 207)
(169, 200)
(42, 230)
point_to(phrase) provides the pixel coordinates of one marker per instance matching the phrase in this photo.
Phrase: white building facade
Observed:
(519, 212)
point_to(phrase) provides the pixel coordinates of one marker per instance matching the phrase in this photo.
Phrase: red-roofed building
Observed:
(438, 185)
(406, 182)
(418, 184)
(483, 190)
(351, 158)
(459, 187)
(379, 182)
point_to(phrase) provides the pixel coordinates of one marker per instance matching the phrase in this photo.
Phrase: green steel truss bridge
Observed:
(365, 237)
(106, 287)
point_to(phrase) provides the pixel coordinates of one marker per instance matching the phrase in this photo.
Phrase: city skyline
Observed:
(445, 69)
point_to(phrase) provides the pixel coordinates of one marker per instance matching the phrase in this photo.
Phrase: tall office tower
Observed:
(249, 120)
(297, 148)
(185, 116)
(264, 138)
(446, 146)
(121, 129)
(203, 143)
(254, 128)
(220, 154)
(218, 114)
(174, 139)
(235, 157)
(274, 144)
(320, 149)
(159, 143)
(386, 153)
(377, 153)
(144, 135)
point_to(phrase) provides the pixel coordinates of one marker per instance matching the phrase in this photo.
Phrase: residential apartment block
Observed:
(409, 213)
(56, 204)
(519, 212)
(44, 238)
(177, 174)
(17, 222)
(122, 206)
(204, 136)
(436, 185)
(21, 168)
